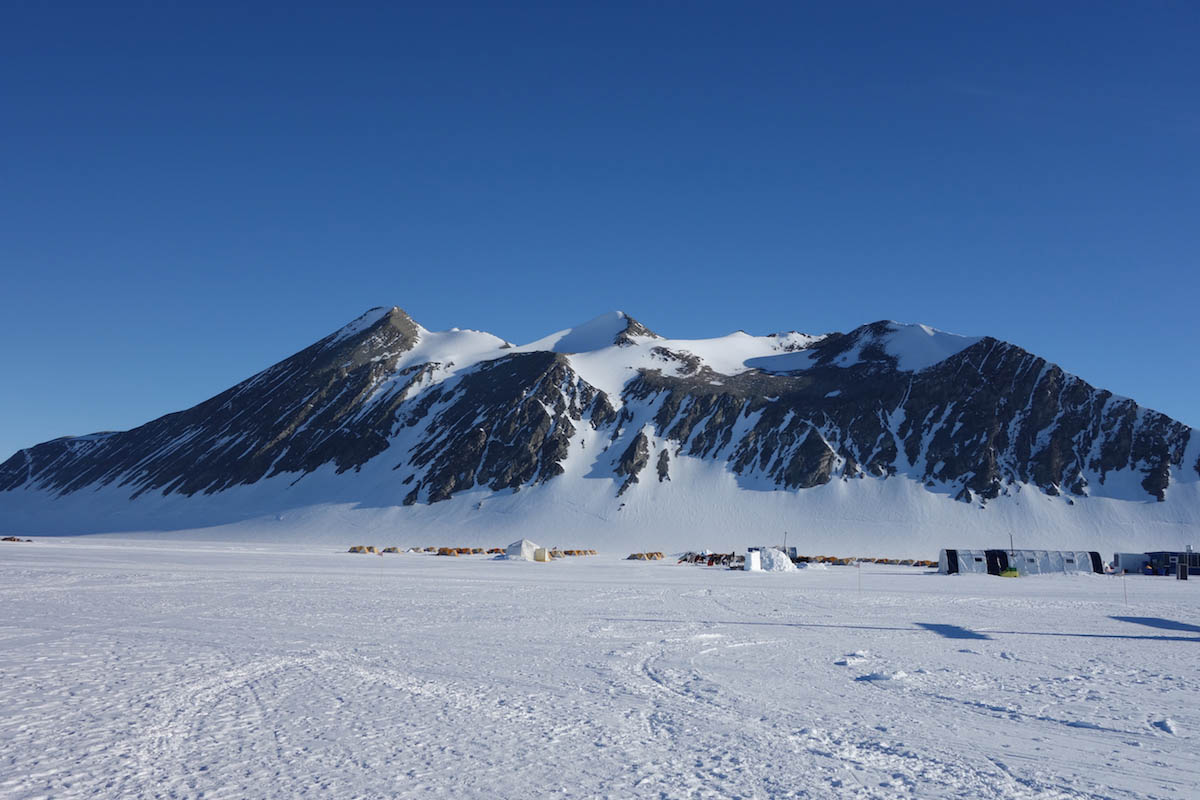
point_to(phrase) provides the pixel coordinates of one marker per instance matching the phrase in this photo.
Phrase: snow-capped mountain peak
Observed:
(609, 422)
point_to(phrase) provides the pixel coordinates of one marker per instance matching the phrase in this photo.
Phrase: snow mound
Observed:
(917, 347)
(873, 677)
(1167, 725)
(595, 334)
(776, 561)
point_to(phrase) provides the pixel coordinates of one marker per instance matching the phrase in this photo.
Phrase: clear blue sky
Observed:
(188, 195)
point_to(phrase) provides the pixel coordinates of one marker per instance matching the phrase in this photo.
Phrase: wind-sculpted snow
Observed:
(162, 669)
(610, 405)
(606, 330)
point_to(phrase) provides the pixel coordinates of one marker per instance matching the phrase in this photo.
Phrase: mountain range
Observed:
(890, 439)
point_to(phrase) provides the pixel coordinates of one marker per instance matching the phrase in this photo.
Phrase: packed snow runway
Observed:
(156, 669)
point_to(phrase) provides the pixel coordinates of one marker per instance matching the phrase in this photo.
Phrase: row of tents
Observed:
(522, 549)
(525, 550)
(370, 549)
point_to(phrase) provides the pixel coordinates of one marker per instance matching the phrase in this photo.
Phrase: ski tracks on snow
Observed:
(319, 676)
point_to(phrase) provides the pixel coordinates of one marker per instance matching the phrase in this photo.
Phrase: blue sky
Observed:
(188, 195)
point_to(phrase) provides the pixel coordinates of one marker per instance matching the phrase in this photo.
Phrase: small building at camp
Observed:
(1133, 563)
(1166, 562)
(954, 562)
(522, 549)
(1024, 562)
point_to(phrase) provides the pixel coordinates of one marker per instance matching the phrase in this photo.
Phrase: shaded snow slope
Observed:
(451, 351)
(598, 334)
(917, 347)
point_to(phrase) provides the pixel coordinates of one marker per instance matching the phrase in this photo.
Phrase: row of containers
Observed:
(1041, 562)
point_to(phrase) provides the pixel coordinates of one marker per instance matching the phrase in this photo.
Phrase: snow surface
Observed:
(918, 347)
(455, 349)
(609, 367)
(595, 334)
(703, 505)
(448, 352)
(164, 669)
(915, 347)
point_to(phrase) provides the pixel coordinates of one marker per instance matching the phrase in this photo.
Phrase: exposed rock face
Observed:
(634, 328)
(505, 425)
(633, 461)
(987, 418)
(684, 363)
(311, 409)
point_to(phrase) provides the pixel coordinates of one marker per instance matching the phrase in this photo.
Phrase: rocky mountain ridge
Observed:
(973, 419)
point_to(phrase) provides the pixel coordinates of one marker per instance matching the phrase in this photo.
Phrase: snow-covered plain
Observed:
(162, 668)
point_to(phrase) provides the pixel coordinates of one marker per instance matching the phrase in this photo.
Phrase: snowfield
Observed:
(140, 668)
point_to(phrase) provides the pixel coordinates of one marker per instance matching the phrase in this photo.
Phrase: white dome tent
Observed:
(522, 550)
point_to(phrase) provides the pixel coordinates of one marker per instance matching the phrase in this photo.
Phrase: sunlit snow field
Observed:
(158, 669)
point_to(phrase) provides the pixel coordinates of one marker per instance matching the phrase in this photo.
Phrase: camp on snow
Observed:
(523, 550)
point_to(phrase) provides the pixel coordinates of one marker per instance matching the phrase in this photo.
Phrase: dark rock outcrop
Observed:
(317, 407)
(633, 461)
(505, 424)
(632, 329)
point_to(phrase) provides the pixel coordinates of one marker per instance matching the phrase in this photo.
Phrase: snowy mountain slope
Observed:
(610, 425)
(606, 330)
